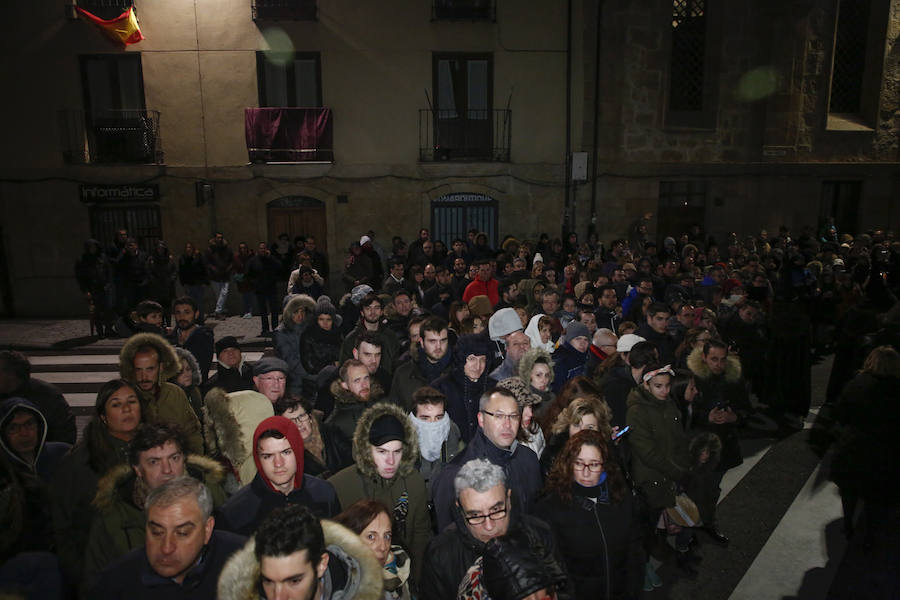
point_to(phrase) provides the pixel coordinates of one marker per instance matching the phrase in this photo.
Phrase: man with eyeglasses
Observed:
(24, 429)
(280, 480)
(498, 424)
(482, 509)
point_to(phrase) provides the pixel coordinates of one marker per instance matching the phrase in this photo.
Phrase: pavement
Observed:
(75, 334)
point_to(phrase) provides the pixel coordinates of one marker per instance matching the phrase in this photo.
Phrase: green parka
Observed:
(659, 446)
(119, 525)
(171, 405)
(362, 480)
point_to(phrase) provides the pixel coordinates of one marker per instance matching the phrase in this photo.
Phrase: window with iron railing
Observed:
(298, 10)
(688, 52)
(105, 9)
(857, 64)
(111, 136)
(461, 123)
(474, 10)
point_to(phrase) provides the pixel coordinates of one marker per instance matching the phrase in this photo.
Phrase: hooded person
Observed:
(229, 422)
(335, 562)
(16, 382)
(533, 331)
(188, 379)
(385, 448)
(150, 361)
(320, 343)
(298, 313)
(24, 440)
(278, 455)
(536, 370)
(465, 382)
(505, 327)
(571, 355)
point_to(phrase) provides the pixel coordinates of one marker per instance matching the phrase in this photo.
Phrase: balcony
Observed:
(288, 134)
(104, 9)
(111, 136)
(464, 10)
(472, 135)
(296, 10)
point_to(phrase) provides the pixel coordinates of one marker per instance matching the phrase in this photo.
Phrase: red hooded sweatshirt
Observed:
(287, 428)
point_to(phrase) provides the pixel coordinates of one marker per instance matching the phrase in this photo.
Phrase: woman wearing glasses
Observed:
(593, 513)
(586, 412)
(325, 449)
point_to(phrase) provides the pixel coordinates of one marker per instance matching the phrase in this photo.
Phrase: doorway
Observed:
(682, 204)
(298, 215)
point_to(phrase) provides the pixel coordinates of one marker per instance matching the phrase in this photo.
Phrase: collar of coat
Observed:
(117, 483)
(362, 453)
(700, 370)
(240, 578)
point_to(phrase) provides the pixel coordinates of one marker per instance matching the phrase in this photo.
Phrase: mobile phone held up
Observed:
(622, 432)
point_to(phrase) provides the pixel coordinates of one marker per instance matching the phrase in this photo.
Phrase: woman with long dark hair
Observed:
(104, 445)
(592, 511)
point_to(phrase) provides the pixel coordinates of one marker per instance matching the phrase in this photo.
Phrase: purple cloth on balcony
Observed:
(288, 134)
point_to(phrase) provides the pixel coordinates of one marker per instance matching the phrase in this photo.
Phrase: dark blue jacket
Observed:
(244, 511)
(567, 363)
(132, 577)
(521, 466)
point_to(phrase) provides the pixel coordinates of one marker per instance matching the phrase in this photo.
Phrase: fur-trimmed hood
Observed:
(240, 576)
(229, 422)
(345, 396)
(698, 367)
(526, 364)
(119, 481)
(361, 454)
(706, 441)
(187, 356)
(294, 304)
(169, 365)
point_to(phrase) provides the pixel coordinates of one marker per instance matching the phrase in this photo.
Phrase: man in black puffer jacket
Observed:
(483, 509)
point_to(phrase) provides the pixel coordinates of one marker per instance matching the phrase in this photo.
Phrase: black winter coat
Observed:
(463, 396)
(244, 511)
(338, 453)
(523, 476)
(600, 542)
(132, 578)
(616, 386)
(319, 348)
(450, 554)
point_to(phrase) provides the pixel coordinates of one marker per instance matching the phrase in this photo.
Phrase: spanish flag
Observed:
(124, 29)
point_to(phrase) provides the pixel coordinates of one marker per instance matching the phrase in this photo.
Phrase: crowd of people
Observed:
(545, 419)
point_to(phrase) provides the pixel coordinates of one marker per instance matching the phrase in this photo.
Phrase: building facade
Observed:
(331, 118)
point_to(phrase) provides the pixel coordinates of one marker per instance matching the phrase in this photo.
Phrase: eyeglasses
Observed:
(273, 378)
(593, 467)
(300, 418)
(14, 428)
(494, 515)
(503, 417)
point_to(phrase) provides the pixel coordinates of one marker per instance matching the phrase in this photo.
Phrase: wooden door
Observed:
(299, 220)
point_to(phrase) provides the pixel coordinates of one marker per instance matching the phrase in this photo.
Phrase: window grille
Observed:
(688, 52)
(848, 65)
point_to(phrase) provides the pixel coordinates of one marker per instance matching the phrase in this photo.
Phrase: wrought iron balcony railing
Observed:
(473, 10)
(298, 10)
(472, 135)
(111, 136)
